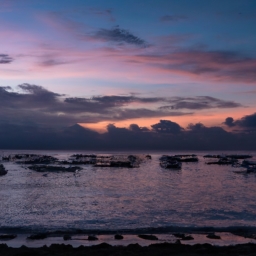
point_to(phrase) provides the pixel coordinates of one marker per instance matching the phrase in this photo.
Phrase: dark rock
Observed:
(37, 236)
(67, 237)
(60, 247)
(3, 246)
(179, 235)
(92, 238)
(49, 168)
(148, 237)
(102, 246)
(119, 237)
(213, 236)
(177, 241)
(183, 236)
(160, 245)
(7, 236)
(134, 246)
(186, 238)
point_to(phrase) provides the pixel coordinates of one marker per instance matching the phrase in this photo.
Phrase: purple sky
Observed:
(128, 62)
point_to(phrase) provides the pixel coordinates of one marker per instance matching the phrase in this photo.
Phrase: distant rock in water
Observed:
(50, 168)
(67, 237)
(2, 170)
(37, 236)
(183, 236)
(34, 159)
(7, 236)
(119, 237)
(213, 236)
(92, 238)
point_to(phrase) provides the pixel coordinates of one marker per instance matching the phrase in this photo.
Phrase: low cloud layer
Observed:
(35, 104)
(164, 135)
(34, 117)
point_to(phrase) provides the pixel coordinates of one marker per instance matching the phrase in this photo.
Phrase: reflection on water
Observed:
(118, 198)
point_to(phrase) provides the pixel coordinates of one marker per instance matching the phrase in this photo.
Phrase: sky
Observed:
(103, 64)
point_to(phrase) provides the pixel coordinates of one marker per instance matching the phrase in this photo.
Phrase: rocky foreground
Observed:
(133, 249)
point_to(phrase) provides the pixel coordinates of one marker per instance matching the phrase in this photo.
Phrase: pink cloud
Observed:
(217, 66)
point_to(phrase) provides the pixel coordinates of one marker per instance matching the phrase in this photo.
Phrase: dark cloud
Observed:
(247, 123)
(196, 127)
(35, 108)
(165, 135)
(229, 122)
(200, 102)
(169, 136)
(120, 36)
(35, 104)
(136, 128)
(125, 99)
(127, 113)
(5, 59)
(209, 133)
(173, 18)
(37, 90)
(166, 126)
(104, 103)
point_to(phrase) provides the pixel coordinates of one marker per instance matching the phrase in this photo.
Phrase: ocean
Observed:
(147, 197)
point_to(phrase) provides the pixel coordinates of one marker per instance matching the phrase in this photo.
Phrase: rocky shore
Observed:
(132, 249)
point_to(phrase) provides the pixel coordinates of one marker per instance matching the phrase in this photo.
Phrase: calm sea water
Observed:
(120, 198)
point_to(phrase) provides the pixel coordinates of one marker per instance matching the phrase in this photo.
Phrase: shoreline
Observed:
(132, 249)
(77, 239)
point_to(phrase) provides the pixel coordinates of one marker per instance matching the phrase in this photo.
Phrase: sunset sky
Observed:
(98, 62)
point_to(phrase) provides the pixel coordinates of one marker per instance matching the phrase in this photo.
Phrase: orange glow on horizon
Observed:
(208, 119)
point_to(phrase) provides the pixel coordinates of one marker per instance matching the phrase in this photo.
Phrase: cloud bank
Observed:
(164, 135)
(35, 104)
(247, 122)
(32, 117)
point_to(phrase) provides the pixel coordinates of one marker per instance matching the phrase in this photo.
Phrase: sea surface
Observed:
(102, 198)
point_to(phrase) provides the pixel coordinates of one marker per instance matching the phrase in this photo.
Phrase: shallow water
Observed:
(78, 240)
(105, 198)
